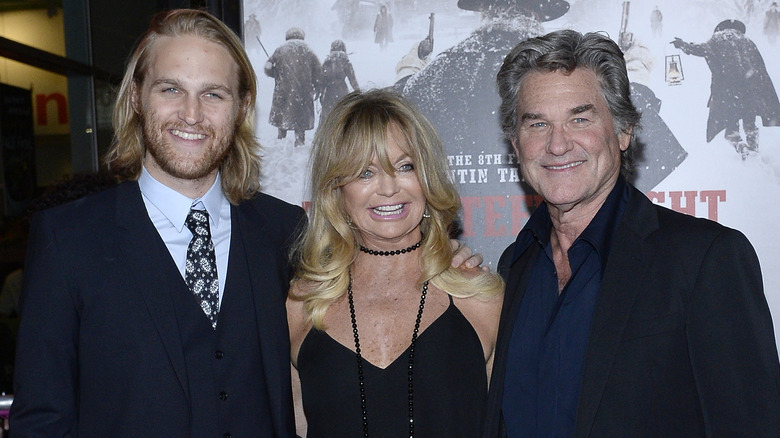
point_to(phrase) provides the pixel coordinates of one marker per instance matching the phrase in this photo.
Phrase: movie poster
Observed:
(444, 54)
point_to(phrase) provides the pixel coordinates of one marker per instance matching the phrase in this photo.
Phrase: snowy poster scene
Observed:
(693, 65)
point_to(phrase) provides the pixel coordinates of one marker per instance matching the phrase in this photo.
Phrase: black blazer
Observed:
(99, 348)
(681, 343)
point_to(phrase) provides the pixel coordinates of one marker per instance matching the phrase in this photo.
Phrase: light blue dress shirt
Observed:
(168, 210)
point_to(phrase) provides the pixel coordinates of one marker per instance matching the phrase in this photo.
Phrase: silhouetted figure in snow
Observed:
(335, 69)
(741, 87)
(772, 23)
(297, 71)
(383, 28)
(656, 22)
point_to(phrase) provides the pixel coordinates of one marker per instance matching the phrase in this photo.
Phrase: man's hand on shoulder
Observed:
(465, 258)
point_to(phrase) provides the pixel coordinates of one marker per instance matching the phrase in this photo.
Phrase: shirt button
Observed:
(219, 354)
(223, 395)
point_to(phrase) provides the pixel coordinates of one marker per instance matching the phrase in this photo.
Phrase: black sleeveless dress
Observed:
(450, 385)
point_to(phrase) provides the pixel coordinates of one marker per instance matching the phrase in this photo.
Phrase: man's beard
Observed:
(180, 165)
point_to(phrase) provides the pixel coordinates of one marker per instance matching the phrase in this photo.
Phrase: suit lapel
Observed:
(516, 284)
(627, 258)
(269, 292)
(517, 277)
(148, 263)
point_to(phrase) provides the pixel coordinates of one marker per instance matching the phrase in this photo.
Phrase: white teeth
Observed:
(387, 210)
(565, 166)
(187, 135)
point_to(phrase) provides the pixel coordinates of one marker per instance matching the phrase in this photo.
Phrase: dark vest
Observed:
(224, 367)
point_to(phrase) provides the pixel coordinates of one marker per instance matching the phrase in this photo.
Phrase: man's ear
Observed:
(135, 96)
(514, 146)
(243, 111)
(624, 138)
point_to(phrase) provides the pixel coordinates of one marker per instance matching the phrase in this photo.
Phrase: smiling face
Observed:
(190, 105)
(566, 142)
(387, 208)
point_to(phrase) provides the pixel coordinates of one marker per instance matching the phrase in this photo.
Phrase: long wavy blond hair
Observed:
(240, 169)
(353, 133)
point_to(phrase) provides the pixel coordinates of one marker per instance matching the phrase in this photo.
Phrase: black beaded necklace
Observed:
(412, 347)
(391, 253)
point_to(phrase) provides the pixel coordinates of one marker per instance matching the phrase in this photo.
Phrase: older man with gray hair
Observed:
(621, 318)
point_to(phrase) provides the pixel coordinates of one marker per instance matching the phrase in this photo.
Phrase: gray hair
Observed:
(565, 51)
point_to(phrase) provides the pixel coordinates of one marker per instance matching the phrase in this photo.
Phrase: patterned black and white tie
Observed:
(201, 265)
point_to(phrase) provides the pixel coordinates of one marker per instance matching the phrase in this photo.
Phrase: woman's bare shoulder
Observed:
(297, 319)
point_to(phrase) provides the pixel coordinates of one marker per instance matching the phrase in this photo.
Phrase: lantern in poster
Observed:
(673, 73)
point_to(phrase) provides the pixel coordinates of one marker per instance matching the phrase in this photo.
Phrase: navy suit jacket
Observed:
(681, 343)
(99, 348)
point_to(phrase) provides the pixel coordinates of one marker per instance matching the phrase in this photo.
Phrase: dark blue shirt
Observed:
(550, 334)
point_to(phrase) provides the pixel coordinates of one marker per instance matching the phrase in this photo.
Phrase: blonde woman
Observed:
(387, 337)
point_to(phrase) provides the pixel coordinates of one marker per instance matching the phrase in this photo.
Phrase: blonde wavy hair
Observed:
(240, 170)
(353, 133)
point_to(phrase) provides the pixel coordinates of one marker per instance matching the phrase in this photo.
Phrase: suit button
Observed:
(223, 395)
(219, 354)
(226, 435)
